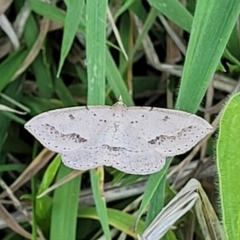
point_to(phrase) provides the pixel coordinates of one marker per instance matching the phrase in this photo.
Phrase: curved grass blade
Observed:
(71, 22)
(118, 219)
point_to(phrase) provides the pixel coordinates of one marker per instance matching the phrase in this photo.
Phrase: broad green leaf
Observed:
(228, 166)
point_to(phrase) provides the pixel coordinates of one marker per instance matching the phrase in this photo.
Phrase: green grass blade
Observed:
(12, 90)
(175, 11)
(72, 20)
(207, 43)
(234, 43)
(125, 6)
(48, 10)
(118, 219)
(10, 65)
(41, 70)
(13, 144)
(43, 77)
(96, 69)
(65, 208)
(228, 167)
(39, 105)
(97, 178)
(51, 12)
(147, 25)
(153, 184)
(157, 201)
(64, 93)
(19, 167)
(68, 210)
(34, 216)
(49, 174)
(43, 205)
(96, 50)
(116, 82)
(126, 37)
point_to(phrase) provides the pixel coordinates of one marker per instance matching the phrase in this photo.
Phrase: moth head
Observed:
(120, 103)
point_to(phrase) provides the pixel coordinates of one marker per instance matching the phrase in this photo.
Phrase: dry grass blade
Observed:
(8, 29)
(4, 5)
(191, 194)
(207, 218)
(179, 168)
(38, 163)
(21, 19)
(175, 38)
(10, 221)
(176, 208)
(218, 106)
(69, 177)
(207, 116)
(19, 206)
(36, 47)
(150, 52)
(116, 32)
(14, 102)
(8, 109)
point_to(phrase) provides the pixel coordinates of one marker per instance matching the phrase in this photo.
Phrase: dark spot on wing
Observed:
(75, 137)
(72, 136)
(71, 116)
(118, 149)
(162, 138)
(166, 118)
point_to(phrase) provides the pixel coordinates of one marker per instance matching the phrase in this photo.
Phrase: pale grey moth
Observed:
(134, 140)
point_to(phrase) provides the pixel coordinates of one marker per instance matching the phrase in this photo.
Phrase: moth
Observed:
(135, 140)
